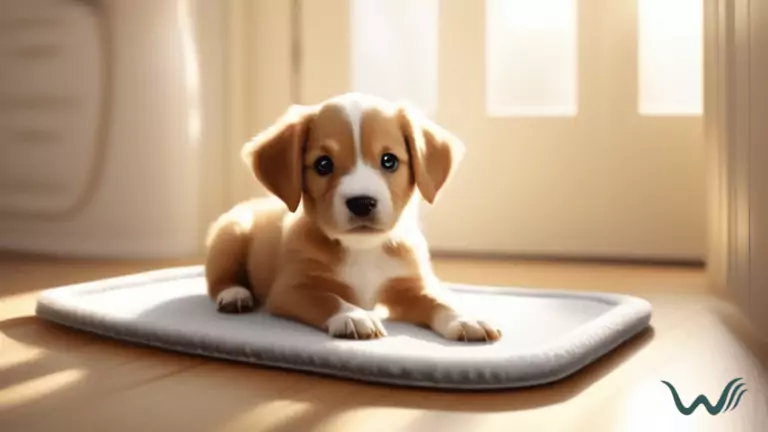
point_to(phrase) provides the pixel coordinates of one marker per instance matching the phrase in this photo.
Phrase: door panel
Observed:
(572, 170)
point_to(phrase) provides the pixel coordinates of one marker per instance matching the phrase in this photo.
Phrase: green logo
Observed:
(729, 394)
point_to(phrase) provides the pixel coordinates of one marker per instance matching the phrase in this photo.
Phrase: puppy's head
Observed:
(353, 162)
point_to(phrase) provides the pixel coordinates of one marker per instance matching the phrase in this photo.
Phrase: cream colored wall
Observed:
(758, 170)
(737, 132)
(258, 81)
(211, 23)
(715, 133)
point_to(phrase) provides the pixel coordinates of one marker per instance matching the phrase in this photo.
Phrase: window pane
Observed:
(531, 57)
(394, 50)
(670, 56)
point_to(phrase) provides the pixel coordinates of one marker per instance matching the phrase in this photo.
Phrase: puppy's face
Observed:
(354, 161)
(357, 172)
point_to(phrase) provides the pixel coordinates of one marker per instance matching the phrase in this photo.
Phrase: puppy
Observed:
(338, 246)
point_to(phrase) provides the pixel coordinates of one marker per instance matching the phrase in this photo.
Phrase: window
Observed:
(394, 50)
(670, 57)
(531, 57)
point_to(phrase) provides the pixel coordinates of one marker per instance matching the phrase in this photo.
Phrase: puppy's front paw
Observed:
(235, 300)
(469, 330)
(355, 324)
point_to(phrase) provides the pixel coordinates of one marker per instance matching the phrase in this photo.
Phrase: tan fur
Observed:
(435, 152)
(330, 135)
(383, 134)
(243, 247)
(408, 299)
(275, 155)
(289, 251)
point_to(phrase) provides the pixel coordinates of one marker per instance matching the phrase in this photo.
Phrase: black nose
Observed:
(361, 206)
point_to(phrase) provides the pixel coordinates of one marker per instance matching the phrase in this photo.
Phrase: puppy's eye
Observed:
(389, 162)
(324, 165)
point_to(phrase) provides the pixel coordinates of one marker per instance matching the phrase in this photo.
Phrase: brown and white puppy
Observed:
(340, 247)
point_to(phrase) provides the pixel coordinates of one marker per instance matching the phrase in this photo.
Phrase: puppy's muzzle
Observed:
(361, 206)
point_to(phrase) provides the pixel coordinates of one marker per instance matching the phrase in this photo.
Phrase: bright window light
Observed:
(670, 57)
(531, 57)
(394, 50)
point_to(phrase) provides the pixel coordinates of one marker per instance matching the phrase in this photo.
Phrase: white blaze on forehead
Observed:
(355, 105)
(355, 109)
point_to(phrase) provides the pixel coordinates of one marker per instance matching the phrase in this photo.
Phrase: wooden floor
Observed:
(54, 379)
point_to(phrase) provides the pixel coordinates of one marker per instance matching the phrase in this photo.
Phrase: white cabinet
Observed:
(111, 121)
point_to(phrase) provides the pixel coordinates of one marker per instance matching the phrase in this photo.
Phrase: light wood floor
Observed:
(54, 379)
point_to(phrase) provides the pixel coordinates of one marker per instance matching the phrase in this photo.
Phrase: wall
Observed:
(737, 106)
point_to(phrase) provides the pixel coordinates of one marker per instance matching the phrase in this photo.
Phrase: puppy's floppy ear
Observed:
(435, 153)
(275, 154)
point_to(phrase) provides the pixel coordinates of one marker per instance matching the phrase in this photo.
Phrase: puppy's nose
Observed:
(361, 206)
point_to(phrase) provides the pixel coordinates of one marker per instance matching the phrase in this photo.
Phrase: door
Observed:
(582, 119)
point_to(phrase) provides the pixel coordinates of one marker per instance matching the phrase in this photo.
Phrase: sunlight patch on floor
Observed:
(260, 415)
(20, 356)
(36, 388)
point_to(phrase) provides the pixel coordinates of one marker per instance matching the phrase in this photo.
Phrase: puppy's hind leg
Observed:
(225, 270)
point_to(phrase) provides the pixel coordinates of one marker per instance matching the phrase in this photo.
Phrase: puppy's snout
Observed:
(361, 206)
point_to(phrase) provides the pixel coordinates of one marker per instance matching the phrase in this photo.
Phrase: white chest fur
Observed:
(367, 270)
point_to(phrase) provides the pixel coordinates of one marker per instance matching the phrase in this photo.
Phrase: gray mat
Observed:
(548, 334)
